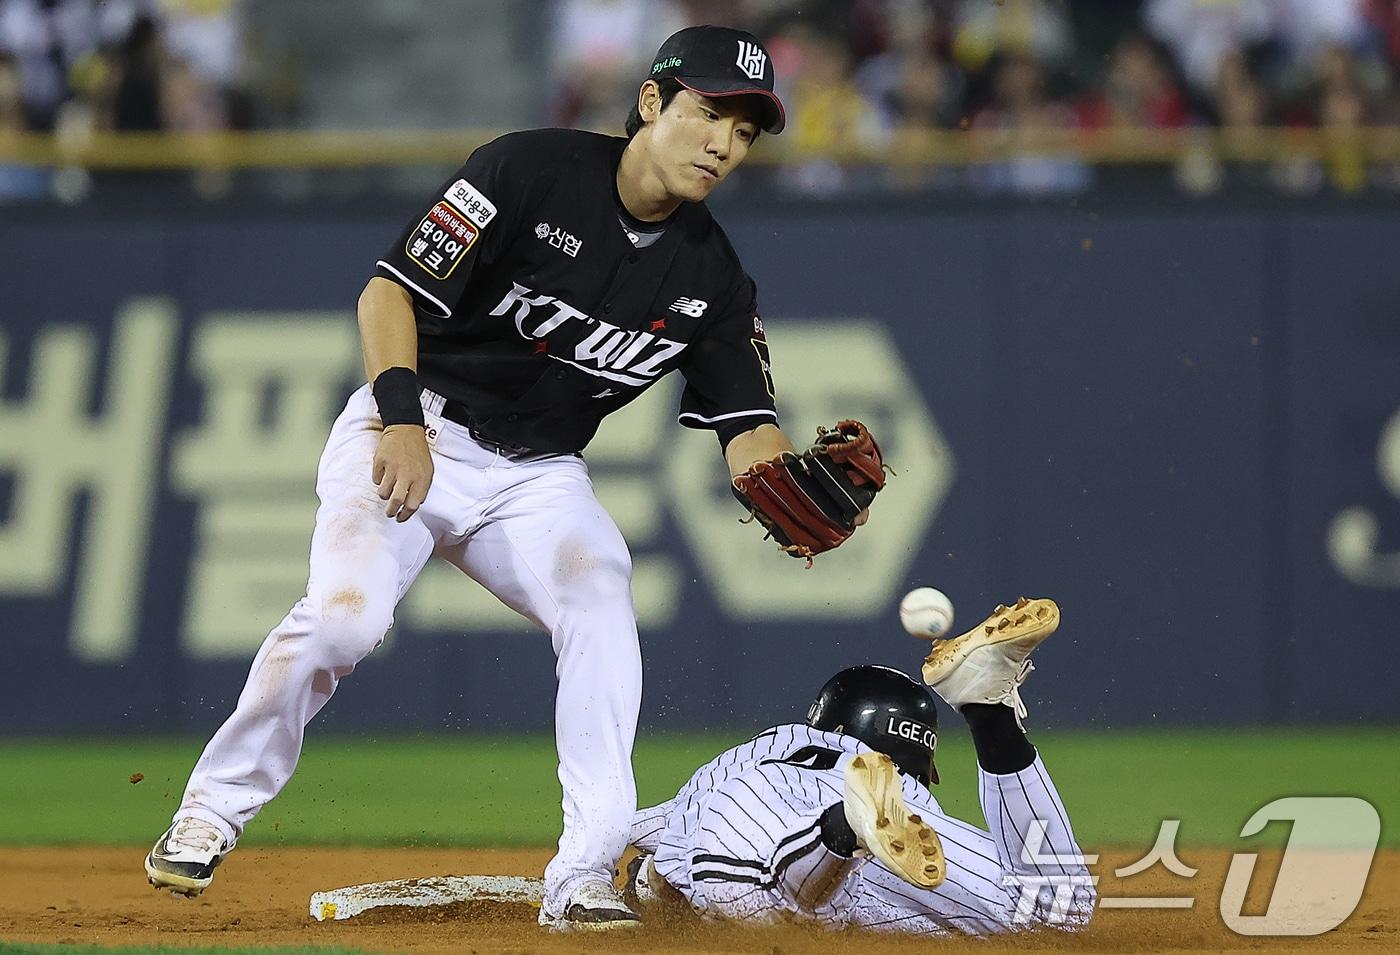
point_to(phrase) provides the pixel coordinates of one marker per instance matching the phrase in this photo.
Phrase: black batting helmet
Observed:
(885, 710)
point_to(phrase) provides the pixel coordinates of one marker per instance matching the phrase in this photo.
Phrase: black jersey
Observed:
(537, 316)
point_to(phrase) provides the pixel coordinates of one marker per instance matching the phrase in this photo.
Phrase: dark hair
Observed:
(669, 86)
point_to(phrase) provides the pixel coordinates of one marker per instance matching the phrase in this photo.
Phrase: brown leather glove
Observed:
(809, 502)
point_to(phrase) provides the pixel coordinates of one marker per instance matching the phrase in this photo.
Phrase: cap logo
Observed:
(752, 60)
(666, 64)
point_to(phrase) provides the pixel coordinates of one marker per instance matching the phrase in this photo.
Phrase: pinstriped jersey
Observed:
(781, 774)
(807, 760)
(787, 770)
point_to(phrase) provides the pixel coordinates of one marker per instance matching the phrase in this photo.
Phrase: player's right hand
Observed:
(403, 470)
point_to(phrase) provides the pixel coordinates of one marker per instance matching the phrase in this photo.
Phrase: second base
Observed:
(337, 904)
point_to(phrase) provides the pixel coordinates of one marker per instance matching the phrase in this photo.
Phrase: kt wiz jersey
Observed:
(537, 316)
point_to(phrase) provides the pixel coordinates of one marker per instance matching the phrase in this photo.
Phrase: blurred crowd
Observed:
(859, 77)
(882, 75)
(76, 67)
(131, 65)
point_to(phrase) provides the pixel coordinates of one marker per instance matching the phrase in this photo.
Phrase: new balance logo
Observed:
(752, 60)
(693, 307)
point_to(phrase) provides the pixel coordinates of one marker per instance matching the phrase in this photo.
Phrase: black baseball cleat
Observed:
(184, 859)
(595, 906)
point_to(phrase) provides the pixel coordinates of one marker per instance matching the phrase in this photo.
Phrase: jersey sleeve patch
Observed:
(761, 348)
(469, 200)
(441, 240)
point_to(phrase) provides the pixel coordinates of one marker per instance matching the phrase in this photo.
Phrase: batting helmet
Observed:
(885, 710)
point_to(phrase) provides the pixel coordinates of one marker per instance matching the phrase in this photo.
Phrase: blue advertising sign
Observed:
(1185, 429)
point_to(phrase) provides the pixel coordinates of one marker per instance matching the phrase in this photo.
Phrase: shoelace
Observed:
(1014, 697)
(196, 834)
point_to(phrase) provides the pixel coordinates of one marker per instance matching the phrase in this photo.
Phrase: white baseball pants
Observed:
(528, 530)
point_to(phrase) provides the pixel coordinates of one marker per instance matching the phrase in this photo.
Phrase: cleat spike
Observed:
(897, 846)
(916, 820)
(1003, 623)
(1024, 618)
(1021, 603)
(1000, 609)
(991, 629)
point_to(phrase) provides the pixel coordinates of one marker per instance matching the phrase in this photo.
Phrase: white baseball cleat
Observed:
(183, 860)
(988, 663)
(595, 906)
(884, 826)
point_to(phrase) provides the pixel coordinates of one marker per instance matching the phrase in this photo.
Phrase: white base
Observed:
(336, 904)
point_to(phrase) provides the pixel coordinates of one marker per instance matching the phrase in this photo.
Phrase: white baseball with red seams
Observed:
(926, 613)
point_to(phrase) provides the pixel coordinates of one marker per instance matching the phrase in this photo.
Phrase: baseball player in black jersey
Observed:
(832, 820)
(551, 280)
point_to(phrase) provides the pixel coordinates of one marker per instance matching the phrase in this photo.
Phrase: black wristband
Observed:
(396, 393)
(836, 833)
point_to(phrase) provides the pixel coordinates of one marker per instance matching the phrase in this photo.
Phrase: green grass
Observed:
(502, 791)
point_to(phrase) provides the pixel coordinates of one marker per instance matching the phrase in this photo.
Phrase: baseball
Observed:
(926, 613)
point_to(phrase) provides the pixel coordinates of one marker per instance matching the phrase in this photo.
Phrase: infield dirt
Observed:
(99, 896)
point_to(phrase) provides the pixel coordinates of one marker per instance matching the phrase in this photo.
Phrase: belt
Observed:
(457, 413)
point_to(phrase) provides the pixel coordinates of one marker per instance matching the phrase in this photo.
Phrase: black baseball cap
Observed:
(720, 61)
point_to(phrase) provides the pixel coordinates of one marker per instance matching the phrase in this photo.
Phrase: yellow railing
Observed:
(154, 151)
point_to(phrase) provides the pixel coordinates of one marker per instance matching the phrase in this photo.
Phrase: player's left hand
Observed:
(812, 502)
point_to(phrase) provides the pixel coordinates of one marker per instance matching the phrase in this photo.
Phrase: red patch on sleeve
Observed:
(441, 241)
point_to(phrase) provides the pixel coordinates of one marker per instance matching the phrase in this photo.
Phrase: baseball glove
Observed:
(809, 502)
